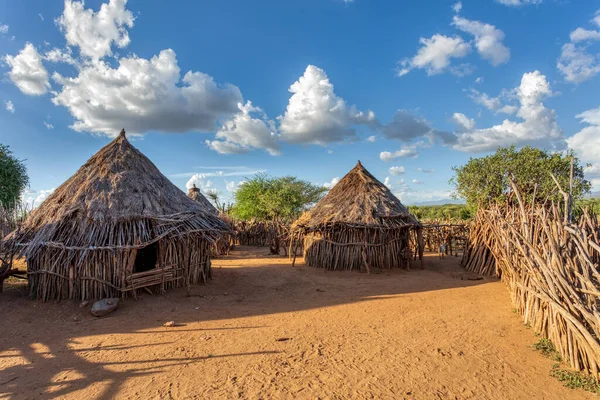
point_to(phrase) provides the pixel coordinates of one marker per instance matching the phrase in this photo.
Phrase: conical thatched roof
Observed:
(118, 198)
(360, 200)
(195, 194)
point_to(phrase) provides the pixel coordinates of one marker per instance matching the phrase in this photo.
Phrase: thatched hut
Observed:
(358, 225)
(195, 194)
(115, 226)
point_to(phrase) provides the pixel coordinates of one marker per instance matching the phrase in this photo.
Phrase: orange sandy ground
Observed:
(261, 329)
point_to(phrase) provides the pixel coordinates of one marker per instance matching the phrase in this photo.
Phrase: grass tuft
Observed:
(546, 347)
(576, 379)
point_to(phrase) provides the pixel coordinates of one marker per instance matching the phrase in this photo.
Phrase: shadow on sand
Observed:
(244, 284)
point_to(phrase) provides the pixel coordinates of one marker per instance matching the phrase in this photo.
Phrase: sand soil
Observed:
(262, 329)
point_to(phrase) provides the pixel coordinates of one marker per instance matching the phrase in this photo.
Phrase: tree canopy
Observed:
(485, 180)
(270, 198)
(13, 178)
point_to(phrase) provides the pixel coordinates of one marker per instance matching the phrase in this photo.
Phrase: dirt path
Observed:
(262, 329)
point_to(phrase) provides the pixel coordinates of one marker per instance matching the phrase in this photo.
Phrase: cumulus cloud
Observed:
(232, 186)
(48, 125)
(249, 129)
(201, 181)
(43, 195)
(3, 28)
(586, 143)
(95, 32)
(27, 71)
(10, 107)
(488, 40)
(495, 104)
(435, 55)
(315, 114)
(405, 126)
(417, 182)
(456, 7)
(329, 185)
(463, 122)
(409, 196)
(372, 139)
(538, 125)
(144, 95)
(577, 62)
(57, 55)
(397, 170)
(406, 151)
(387, 183)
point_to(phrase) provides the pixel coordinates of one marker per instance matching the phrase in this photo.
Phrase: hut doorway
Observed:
(146, 258)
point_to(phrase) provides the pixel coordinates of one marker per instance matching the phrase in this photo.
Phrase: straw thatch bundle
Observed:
(195, 194)
(359, 223)
(115, 226)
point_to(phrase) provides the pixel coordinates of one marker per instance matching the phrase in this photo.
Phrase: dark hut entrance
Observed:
(145, 259)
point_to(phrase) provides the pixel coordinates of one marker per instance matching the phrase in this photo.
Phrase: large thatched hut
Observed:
(115, 226)
(358, 225)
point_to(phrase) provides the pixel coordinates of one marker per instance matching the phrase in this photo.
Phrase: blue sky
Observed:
(215, 91)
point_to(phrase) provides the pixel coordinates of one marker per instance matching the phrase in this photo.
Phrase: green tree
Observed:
(268, 198)
(485, 180)
(13, 178)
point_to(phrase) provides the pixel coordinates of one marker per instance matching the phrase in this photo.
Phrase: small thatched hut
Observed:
(194, 194)
(358, 224)
(115, 226)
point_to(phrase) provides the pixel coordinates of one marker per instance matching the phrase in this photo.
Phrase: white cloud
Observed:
(43, 195)
(456, 7)
(397, 170)
(417, 182)
(488, 39)
(409, 196)
(387, 183)
(463, 122)
(372, 139)
(538, 126)
(435, 55)
(41, 16)
(582, 35)
(495, 104)
(426, 170)
(57, 55)
(145, 95)
(3, 28)
(232, 186)
(95, 32)
(479, 80)
(249, 129)
(329, 185)
(586, 144)
(518, 2)
(406, 151)
(576, 62)
(27, 71)
(48, 125)
(233, 171)
(316, 115)
(10, 107)
(201, 182)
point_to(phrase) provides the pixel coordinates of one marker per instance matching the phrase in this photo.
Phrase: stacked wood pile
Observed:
(445, 237)
(477, 256)
(551, 267)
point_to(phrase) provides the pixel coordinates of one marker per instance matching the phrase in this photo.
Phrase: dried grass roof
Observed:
(117, 198)
(360, 200)
(195, 194)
